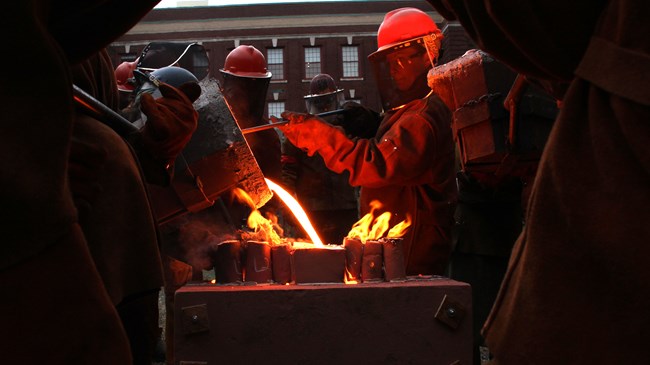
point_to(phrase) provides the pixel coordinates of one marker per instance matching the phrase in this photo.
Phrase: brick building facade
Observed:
(299, 41)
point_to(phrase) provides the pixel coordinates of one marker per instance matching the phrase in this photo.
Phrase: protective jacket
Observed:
(409, 168)
(316, 186)
(577, 288)
(123, 242)
(74, 320)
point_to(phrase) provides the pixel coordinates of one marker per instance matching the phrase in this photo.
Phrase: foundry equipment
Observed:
(215, 160)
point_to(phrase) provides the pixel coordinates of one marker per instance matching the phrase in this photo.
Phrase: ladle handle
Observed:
(284, 121)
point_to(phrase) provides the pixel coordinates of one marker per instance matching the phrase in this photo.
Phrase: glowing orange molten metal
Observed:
(297, 211)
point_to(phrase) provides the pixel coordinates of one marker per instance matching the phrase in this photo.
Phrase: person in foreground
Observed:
(577, 289)
(409, 165)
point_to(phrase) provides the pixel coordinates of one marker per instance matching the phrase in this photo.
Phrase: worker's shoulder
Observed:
(430, 108)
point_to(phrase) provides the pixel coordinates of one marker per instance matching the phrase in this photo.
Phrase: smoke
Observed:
(199, 237)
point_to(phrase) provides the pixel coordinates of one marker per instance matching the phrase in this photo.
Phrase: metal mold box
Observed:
(420, 321)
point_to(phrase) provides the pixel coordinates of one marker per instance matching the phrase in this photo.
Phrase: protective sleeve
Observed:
(35, 132)
(401, 156)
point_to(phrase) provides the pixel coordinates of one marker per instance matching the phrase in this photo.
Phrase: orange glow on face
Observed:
(400, 228)
(297, 211)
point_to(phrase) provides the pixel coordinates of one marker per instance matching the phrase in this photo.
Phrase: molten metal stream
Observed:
(297, 211)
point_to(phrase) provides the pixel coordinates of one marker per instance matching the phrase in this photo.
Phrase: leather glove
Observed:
(308, 132)
(171, 120)
(358, 120)
(85, 165)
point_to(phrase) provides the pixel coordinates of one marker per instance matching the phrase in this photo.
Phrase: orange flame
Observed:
(262, 225)
(379, 226)
(264, 228)
(297, 211)
(361, 229)
(243, 197)
(370, 228)
(400, 228)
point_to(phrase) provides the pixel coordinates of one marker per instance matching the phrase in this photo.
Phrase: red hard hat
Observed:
(403, 24)
(124, 76)
(246, 61)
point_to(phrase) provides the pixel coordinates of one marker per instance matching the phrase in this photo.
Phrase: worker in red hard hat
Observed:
(124, 76)
(331, 203)
(409, 165)
(245, 84)
(125, 81)
(577, 287)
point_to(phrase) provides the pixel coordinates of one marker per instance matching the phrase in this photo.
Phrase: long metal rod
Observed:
(101, 112)
(284, 121)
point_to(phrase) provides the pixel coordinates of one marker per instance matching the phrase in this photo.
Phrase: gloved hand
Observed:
(307, 132)
(358, 120)
(85, 166)
(171, 120)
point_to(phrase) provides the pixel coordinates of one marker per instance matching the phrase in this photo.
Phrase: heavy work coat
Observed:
(577, 289)
(409, 168)
(119, 227)
(73, 321)
(118, 223)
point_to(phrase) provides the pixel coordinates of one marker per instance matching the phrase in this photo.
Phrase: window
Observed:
(350, 56)
(312, 62)
(275, 63)
(276, 108)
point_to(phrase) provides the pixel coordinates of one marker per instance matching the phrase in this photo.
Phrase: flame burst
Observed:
(400, 228)
(369, 228)
(263, 229)
(379, 226)
(361, 229)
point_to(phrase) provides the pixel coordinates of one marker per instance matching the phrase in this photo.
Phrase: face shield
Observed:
(246, 97)
(320, 103)
(401, 70)
(190, 56)
(146, 83)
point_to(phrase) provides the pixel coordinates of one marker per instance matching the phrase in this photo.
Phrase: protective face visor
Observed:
(320, 103)
(146, 83)
(190, 56)
(401, 70)
(246, 97)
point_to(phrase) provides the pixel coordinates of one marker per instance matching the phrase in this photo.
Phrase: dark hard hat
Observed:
(322, 84)
(177, 77)
(174, 76)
